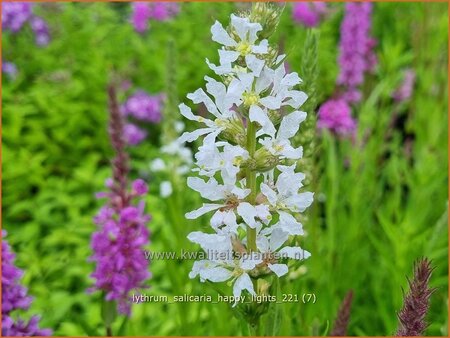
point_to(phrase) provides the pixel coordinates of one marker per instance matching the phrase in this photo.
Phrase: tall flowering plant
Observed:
(15, 297)
(246, 164)
(118, 244)
(356, 59)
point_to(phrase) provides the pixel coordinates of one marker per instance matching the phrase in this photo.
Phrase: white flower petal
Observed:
(249, 261)
(269, 193)
(277, 239)
(292, 153)
(157, 165)
(262, 48)
(264, 80)
(239, 192)
(290, 124)
(279, 269)
(256, 114)
(263, 213)
(198, 266)
(297, 98)
(227, 56)
(271, 102)
(209, 190)
(248, 213)
(165, 189)
(216, 274)
(254, 64)
(187, 112)
(193, 135)
(288, 223)
(219, 70)
(294, 252)
(202, 210)
(243, 282)
(299, 203)
(211, 243)
(199, 96)
(290, 80)
(262, 243)
(220, 35)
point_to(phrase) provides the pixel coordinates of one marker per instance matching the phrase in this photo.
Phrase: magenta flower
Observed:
(162, 11)
(140, 16)
(9, 69)
(144, 107)
(119, 241)
(404, 92)
(15, 297)
(41, 32)
(16, 14)
(356, 55)
(335, 115)
(142, 12)
(133, 134)
(309, 14)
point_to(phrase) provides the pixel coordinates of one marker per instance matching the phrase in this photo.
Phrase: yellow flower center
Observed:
(250, 98)
(244, 48)
(278, 148)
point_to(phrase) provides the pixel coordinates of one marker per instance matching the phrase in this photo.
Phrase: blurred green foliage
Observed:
(381, 201)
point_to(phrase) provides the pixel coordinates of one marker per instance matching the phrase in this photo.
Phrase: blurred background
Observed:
(381, 198)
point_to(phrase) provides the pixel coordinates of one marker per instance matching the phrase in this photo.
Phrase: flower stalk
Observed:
(416, 302)
(118, 244)
(250, 181)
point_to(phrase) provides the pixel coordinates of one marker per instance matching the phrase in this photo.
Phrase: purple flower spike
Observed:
(41, 32)
(309, 14)
(118, 244)
(144, 107)
(9, 69)
(15, 15)
(15, 297)
(416, 302)
(142, 12)
(356, 54)
(140, 16)
(162, 11)
(133, 134)
(335, 115)
(139, 187)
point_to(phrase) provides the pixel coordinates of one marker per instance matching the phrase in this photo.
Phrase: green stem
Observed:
(251, 182)
(109, 314)
(254, 329)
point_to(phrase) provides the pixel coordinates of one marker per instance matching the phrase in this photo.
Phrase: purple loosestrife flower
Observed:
(309, 14)
(119, 242)
(133, 134)
(343, 317)
(15, 297)
(356, 54)
(335, 115)
(15, 15)
(142, 12)
(140, 16)
(41, 32)
(162, 11)
(416, 302)
(404, 92)
(9, 69)
(144, 107)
